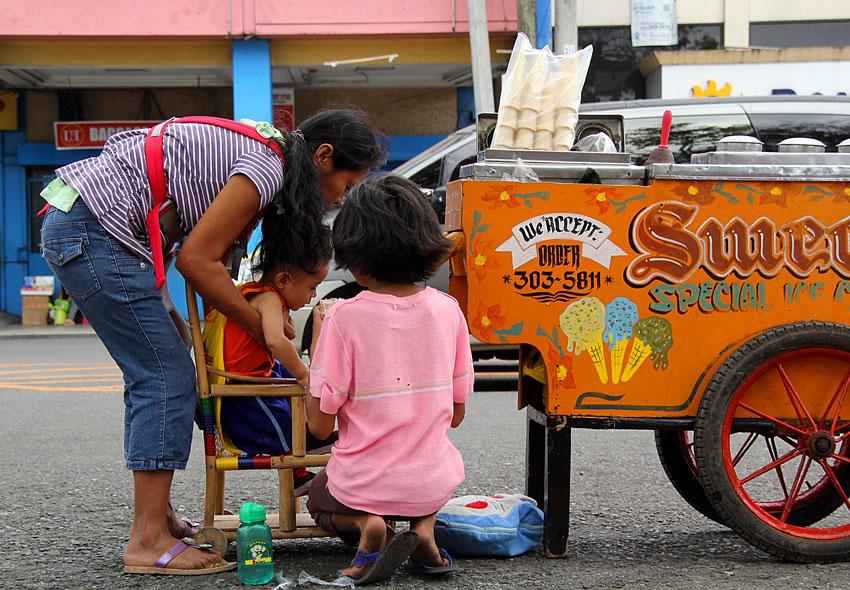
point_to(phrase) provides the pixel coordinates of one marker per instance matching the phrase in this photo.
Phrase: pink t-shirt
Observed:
(390, 368)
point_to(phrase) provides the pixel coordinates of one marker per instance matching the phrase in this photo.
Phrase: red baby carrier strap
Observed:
(156, 177)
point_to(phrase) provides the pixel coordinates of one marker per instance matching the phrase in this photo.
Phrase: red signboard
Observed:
(283, 108)
(91, 134)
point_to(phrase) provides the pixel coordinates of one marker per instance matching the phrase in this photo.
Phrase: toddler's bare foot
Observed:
(373, 538)
(427, 552)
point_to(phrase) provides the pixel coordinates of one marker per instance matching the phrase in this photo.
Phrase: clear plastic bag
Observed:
(522, 172)
(540, 97)
(596, 142)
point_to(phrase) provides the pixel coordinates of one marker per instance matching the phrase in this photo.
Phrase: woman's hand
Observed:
(289, 327)
(200, 258)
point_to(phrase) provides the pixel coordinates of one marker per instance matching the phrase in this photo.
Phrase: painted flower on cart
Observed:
(483, 260)
(563, 368)
(501, 196)
(487, 319)
(842, 194)
(771, 193)
(698, 191)
(601, 197)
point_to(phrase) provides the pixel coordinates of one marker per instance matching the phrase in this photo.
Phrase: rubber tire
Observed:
(708, 439)
(680, 468)
(679, 465)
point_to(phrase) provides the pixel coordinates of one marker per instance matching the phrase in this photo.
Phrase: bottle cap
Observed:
(251, 512)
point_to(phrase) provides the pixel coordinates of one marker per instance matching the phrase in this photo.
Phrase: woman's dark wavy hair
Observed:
(294, 223)
(386, 229)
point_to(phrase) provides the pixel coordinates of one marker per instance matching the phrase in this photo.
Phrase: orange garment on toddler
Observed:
(242, 353)
(253, 425)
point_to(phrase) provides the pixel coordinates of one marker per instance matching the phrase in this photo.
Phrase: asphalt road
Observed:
(66, 500)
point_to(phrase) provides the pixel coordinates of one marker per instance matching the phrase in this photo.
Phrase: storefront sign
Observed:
(91, 134)
(654, 23)
(8, 110)
(283, 108)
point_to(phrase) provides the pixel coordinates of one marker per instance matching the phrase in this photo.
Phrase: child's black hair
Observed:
(386, 229)
(305, 248)
(294, 222)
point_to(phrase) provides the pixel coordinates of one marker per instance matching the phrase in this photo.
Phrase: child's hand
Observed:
(318, 316)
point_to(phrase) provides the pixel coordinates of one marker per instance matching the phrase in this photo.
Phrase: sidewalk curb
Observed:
(18, 331)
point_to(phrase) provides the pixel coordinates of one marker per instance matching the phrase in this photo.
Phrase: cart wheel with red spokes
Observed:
(817, 500)
(677, 459)
(772, 439)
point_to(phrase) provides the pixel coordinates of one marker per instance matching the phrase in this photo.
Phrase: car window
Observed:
(425, 168)
(771, 128)
(429, 176)
(689, 134)
(456, 171)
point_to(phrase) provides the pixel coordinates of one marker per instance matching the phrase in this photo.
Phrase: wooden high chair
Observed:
(290, 522)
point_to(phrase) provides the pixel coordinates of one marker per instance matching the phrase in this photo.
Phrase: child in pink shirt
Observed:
(393, 368)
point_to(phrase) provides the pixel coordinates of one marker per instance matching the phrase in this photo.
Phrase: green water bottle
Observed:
(254, 545)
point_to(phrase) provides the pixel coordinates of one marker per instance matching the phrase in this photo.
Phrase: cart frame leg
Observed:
(548, 476)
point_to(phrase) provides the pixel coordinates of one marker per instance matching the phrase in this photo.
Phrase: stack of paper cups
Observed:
(505, 133)
(509, 111)
(531, 99)
(546, 119)
(565, 128)
(526, 128)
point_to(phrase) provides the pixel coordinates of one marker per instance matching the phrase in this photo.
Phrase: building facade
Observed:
(407, 63)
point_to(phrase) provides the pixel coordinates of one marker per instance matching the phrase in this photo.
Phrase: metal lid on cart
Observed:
(802, 145)
(844, 146)
(739, 143)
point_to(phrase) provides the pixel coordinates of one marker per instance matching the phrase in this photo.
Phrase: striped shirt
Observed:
(198, 159)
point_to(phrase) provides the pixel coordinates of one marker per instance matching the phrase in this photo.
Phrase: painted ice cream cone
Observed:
(618, 354)
(620, 316)
(640, 352)
(597, 355)
(583, 322)
(653, 337)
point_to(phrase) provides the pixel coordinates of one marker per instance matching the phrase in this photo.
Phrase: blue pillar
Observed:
(252, 80)
(14, 206)
(465, 106)
(544, 24)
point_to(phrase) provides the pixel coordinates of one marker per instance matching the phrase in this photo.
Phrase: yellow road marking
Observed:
(59, 376)
(79, 368)
(43, 365)
(28, 382)
(47, 388)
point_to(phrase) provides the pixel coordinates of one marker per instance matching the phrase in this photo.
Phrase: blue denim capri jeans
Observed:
(116, 292)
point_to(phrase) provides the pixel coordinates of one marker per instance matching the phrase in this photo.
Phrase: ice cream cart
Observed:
(706, 301)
